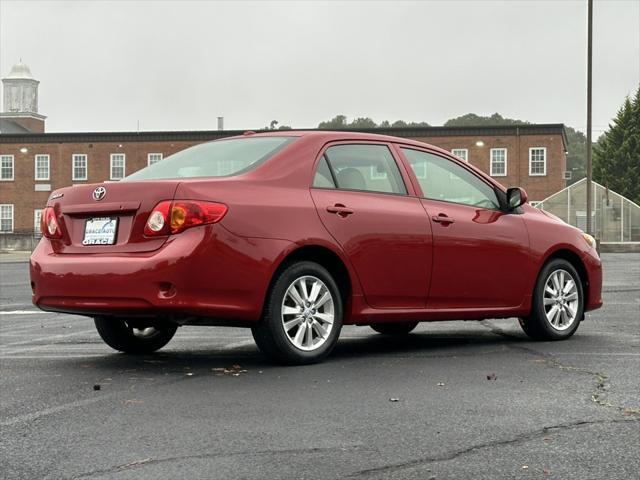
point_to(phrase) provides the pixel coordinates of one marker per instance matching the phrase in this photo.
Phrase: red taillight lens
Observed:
(49, 225)
(173, 217)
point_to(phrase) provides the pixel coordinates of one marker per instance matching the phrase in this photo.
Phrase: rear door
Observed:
(362, 200)
(480, 254)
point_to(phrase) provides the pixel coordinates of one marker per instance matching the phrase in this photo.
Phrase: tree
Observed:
(338, 122)
(577, 156)
(473, 120)
(362, 122)
(616, 160)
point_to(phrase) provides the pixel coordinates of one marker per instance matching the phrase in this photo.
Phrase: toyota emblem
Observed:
(99, 193)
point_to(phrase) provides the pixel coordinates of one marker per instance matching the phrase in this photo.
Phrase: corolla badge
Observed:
(99, 193)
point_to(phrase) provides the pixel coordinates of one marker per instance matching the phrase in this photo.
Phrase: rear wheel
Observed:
(134, 335)
(401, 328)
(302, 317)
(558, 303)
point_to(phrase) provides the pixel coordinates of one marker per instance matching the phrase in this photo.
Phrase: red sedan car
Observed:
(295, 234)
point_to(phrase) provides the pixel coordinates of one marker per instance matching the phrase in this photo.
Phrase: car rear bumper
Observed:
(202, 272)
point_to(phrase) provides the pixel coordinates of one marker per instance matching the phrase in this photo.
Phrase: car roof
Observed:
(336, 135)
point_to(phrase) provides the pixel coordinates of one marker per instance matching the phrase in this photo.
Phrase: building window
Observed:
(79, 167)
(463, 153)
(117, 166)
(6, 167)
(153, 158)
(538, 161)
(498, 162)
(6, 218)
(42, 167)
(37, 217)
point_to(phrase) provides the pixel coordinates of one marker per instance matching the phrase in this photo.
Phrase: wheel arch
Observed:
(333, 261)
(576, 261)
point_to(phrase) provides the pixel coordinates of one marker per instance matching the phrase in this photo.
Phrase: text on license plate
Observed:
(100, 231)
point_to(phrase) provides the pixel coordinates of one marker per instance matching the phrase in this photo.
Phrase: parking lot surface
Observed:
(452, 400)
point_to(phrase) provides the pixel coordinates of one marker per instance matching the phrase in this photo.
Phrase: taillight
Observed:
(170, 217)
(49, 225)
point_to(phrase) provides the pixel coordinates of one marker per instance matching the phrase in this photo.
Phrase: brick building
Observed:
(34, 163)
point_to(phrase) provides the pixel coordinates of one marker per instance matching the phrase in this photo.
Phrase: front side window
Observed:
(369, 168)
(42, 167)
(498, 162)
(117, 166)
(221, 158)
(6, 218)
(153, 158)
(79, 167)
(442, 179)
(6, 167)
(538, 161)
(462, 153)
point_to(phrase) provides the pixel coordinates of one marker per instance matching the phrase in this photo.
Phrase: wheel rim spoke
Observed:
(295, 296)
(292, 323)
(315, 291)
(324, 317)
(302, 328)
(286, 310)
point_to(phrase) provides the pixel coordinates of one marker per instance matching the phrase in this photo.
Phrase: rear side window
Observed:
(443, 179)
(323, 177)
(222, 158)
(369, 168)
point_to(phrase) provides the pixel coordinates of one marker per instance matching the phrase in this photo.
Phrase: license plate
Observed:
(100, 231)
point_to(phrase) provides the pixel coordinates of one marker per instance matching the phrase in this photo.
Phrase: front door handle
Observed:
(442, 218)
(340, 210)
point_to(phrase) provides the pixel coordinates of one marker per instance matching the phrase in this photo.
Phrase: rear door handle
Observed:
(340, 210)
(442, 218)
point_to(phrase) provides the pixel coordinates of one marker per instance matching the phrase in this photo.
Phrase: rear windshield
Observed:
(221, 158)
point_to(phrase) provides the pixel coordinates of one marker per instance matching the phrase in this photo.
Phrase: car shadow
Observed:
(454, 343)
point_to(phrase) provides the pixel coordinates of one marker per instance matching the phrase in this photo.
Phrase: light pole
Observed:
(589, 68)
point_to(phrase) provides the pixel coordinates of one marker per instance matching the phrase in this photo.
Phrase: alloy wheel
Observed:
(307, 313)
(561, 300)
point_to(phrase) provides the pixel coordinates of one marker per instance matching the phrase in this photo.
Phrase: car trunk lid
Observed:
(109, 212)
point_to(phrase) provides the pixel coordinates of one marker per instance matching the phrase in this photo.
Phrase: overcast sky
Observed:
(177, 65)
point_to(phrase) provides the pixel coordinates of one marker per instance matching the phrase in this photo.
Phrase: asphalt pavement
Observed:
(452, 400)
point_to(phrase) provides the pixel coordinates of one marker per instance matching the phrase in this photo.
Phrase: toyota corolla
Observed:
(295, 234)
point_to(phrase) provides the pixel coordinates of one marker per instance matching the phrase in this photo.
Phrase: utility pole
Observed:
(589, 87)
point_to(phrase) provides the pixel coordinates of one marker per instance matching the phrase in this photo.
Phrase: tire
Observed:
(555, 317)
(120, 335)
(401, 328)
(300, 327)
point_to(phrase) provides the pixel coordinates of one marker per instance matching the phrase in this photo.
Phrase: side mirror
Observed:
(516, 196)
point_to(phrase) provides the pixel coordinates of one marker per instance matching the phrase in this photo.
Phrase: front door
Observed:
(480, 252)
(362, 200)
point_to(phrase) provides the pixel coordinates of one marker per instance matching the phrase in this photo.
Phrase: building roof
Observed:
(204, 135)
(10, 127)
(21, 71)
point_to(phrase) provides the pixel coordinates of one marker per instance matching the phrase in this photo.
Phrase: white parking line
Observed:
(48, 337)
(25, 312)
(28, 417)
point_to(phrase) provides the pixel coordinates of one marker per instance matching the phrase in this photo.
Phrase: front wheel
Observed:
(558, 303)
(302, 317)
(401, 328)
(133, 335)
